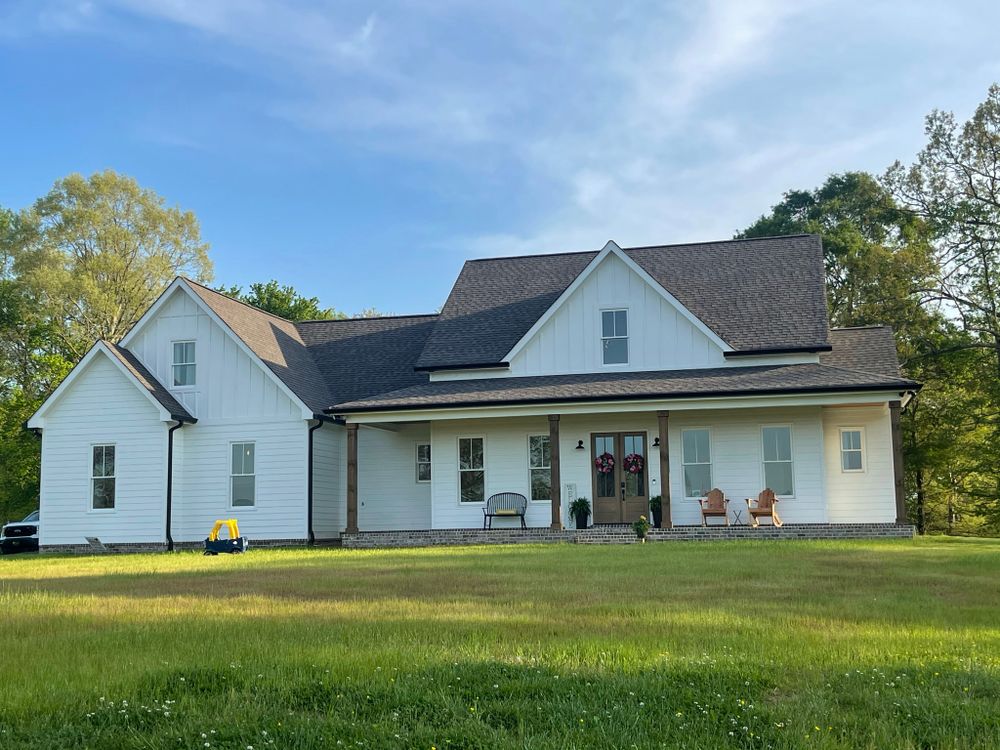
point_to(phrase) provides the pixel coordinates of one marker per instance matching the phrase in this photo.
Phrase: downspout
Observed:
(170, 478)
(320, 420)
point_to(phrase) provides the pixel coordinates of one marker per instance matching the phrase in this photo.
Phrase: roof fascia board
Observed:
(540, 409)
(181, 283)
(612, 248)
(37, 420)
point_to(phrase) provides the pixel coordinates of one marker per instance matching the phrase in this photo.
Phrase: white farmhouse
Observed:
(615, 375)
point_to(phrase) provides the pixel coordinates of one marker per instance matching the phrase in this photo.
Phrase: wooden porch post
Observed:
(554, 485)
(352, 479)
(897, 461)
(661, 418)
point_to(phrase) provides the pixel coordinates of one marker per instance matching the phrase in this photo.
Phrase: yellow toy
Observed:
(234, 544)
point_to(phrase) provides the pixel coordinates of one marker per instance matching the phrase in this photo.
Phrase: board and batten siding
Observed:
(867, 496)
(229, 384)
(660, 337)
(103, 407)
(736, 461)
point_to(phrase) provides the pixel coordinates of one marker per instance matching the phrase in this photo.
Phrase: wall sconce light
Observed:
(579, 445)
(656, 442)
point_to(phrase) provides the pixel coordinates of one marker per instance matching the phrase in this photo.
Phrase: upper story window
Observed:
(851, 450)
(183, 364)
(614, 336)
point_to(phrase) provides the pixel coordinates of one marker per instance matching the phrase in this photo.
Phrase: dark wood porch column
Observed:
(897, 461)
(352, 479)
(668, 521)
(555, 486)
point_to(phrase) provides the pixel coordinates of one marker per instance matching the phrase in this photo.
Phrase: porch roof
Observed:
(619, 386)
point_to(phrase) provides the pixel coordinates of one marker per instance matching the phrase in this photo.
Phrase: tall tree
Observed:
(283, 301)
(954, 186)
(96, 251)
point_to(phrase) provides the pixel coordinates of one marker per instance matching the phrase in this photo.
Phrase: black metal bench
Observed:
(504, 505)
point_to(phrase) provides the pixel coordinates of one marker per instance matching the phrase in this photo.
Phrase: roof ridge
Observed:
(533, 255)
(376, 317)
(860, 328)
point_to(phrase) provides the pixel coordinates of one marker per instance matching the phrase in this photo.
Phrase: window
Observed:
(778, 460)
(851, 452)
(424, 462)
(102, 478)
(184, 366)
(471, 470)
(242, 482)
(696, 456)
(539, 466)
(614, 336)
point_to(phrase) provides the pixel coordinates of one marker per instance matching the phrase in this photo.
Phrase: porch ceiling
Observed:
(807, 378)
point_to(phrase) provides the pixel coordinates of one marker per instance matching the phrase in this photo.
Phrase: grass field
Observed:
(727, 645)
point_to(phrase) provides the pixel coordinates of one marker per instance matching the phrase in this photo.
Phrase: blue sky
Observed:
(361, 151)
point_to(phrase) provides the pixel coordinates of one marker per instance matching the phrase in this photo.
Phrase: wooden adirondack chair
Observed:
(714, 505)
(766, 506)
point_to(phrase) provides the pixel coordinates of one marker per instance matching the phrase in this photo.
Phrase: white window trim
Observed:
(863, 450)
(181, 364)
(90, 482)
(527, 444)
(459, 470)
(628, 346)
(711, 462)
(229, 486)
(791, 459)
(417, 462)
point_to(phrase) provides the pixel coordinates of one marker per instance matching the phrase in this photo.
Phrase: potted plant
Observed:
(641, 527)
(580, 509)
(656, 510)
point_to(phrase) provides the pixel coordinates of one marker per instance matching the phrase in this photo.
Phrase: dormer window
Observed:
(614, 336)
(183, 366)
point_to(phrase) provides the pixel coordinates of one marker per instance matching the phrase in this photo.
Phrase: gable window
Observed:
(540, 467)
(102, 478)
(471, 470)
(851, 450)
(696, 456)
(614, 336)
(424, 462)
(242, 480)
(183, 363)
(777, 452)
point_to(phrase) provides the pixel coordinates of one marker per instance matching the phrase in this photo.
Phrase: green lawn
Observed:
(743, 645)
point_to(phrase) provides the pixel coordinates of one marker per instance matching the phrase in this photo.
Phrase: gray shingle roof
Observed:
(365, 356)
(276, 341)
(867, 348)
(671, 384)
(765, 293)
(146, 379)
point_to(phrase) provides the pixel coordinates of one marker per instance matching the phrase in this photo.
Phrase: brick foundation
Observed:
(133, 547)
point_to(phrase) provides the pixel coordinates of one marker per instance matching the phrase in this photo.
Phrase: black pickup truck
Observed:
(20, 536)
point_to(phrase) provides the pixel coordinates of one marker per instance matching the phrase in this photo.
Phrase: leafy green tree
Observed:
(96, 251)
(954, 186)
(283, 301)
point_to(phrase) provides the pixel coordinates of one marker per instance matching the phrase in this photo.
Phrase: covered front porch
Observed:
(676, 450)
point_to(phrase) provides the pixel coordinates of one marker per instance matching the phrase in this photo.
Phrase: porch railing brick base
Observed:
(623, 535)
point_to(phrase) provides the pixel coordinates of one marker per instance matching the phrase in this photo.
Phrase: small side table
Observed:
(737, 520)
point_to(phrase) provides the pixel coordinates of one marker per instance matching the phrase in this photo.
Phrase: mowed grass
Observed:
(726, 645)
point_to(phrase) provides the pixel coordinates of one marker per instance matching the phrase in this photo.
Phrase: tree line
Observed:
(916, 247)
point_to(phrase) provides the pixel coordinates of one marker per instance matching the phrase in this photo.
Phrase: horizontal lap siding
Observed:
(329, 481)
(389, 497)
(102, 406)
(867, 496)
(736, 456)
(202, 480)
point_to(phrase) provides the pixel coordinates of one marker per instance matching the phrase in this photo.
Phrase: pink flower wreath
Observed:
(633, 463)
(605, 463)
